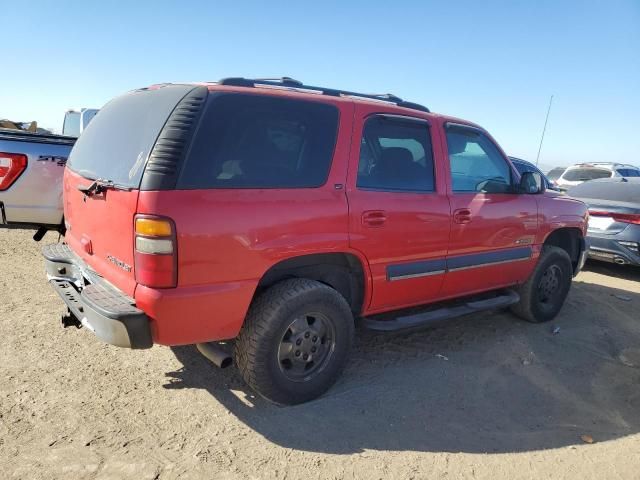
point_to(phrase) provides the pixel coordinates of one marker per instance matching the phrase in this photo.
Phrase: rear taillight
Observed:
(156, 252)
(618, 217)
(11, 167)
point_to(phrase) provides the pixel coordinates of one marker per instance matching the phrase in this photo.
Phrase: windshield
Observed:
(117, 142)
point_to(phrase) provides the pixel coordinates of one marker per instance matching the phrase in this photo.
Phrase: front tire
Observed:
(295, 341)
(544, 293)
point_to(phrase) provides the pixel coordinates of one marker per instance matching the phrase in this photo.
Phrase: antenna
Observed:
(544, 129)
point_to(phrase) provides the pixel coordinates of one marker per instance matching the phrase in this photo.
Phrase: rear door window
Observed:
(585, 174)
(252, 141)
(117, 141)
(395, 155)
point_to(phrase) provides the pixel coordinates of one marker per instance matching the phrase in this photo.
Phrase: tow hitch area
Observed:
(70, 320)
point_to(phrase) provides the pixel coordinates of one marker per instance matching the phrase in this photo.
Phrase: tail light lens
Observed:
(156, 252)
(619, 217)
(11, 167)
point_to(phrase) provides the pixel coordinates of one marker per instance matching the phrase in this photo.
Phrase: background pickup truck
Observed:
(31, 168)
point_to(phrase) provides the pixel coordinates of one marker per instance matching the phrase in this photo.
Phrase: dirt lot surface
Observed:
(486, 397)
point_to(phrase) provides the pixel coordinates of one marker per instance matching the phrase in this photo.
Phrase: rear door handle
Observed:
(374, 218)
(462, 215)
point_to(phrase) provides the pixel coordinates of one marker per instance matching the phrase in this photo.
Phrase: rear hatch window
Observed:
(117, 142)
(585, 174)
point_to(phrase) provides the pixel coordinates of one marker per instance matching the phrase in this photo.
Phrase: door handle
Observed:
(462, 215)
(374, 218)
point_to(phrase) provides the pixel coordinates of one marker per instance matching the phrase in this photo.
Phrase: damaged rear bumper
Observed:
(110, 314)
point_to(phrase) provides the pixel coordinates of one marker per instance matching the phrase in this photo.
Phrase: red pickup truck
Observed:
(278, 214)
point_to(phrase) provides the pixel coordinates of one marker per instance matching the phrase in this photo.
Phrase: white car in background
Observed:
(582, 172)
(75, 121)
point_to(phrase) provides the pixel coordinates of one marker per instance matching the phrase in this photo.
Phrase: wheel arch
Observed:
(342, 271)
(570, 239)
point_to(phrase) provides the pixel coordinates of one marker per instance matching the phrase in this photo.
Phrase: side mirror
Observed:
(531, 183)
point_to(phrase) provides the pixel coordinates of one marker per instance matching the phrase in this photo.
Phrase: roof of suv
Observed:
(605, 165)
(290, 87)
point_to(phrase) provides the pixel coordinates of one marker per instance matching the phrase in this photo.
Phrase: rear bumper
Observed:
(110, 314)
(607, 248)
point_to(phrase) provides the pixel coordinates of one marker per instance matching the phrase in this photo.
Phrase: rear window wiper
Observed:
(99, 185)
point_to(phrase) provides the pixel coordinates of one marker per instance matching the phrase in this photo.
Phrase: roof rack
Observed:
(288, 82)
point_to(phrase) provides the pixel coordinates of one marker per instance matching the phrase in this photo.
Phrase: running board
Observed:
(390, 322)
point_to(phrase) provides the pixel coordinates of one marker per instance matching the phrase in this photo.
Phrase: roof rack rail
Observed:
(289, 82)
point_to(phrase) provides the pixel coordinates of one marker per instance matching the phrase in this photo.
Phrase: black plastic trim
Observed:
(488, 258)
(437, 266)
(135, 322)
(416, 269)
(19, 136)
(167, 156)
(432, 315)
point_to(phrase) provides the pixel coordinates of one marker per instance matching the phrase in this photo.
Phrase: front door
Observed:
(398, 207)
(492, 227)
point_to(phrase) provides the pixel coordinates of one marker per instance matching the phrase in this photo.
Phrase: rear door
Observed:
(398, 207)
(492, 228)
(115, 147)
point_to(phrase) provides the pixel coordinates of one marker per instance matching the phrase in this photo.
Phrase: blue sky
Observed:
(495, 63)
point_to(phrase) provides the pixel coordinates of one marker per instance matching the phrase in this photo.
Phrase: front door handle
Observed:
(374, 218)
(462, 216)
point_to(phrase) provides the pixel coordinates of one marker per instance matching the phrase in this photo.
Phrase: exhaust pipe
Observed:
(217, 355)
(620, 261)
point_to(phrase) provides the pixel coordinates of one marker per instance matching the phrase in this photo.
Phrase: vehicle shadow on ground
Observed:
(483, 383)
(624, 272)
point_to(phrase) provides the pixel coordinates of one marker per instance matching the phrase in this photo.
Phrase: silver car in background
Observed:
(583, 172)
(614, 218)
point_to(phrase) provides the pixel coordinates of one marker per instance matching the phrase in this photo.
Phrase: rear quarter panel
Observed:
(228, 238)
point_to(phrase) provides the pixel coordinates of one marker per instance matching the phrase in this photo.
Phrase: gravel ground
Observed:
(486, 397)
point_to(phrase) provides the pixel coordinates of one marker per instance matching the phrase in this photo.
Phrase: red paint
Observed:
(227, 239)
(11, 167)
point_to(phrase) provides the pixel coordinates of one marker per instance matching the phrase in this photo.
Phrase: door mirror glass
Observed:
(532, 183)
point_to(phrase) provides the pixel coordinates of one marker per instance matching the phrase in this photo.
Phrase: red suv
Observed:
(276, 214)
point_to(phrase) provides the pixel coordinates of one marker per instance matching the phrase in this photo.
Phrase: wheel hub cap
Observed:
(549, 284)
(306, 346)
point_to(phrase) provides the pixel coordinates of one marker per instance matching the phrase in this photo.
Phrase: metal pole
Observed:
(544, 129)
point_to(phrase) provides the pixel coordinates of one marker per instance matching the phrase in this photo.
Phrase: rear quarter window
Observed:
(252, 141)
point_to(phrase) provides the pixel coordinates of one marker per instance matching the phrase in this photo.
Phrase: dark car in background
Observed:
(525, 166)
(614, 218)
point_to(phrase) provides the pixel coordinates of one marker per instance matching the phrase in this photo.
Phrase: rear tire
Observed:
(295, 341)
(544, 293)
